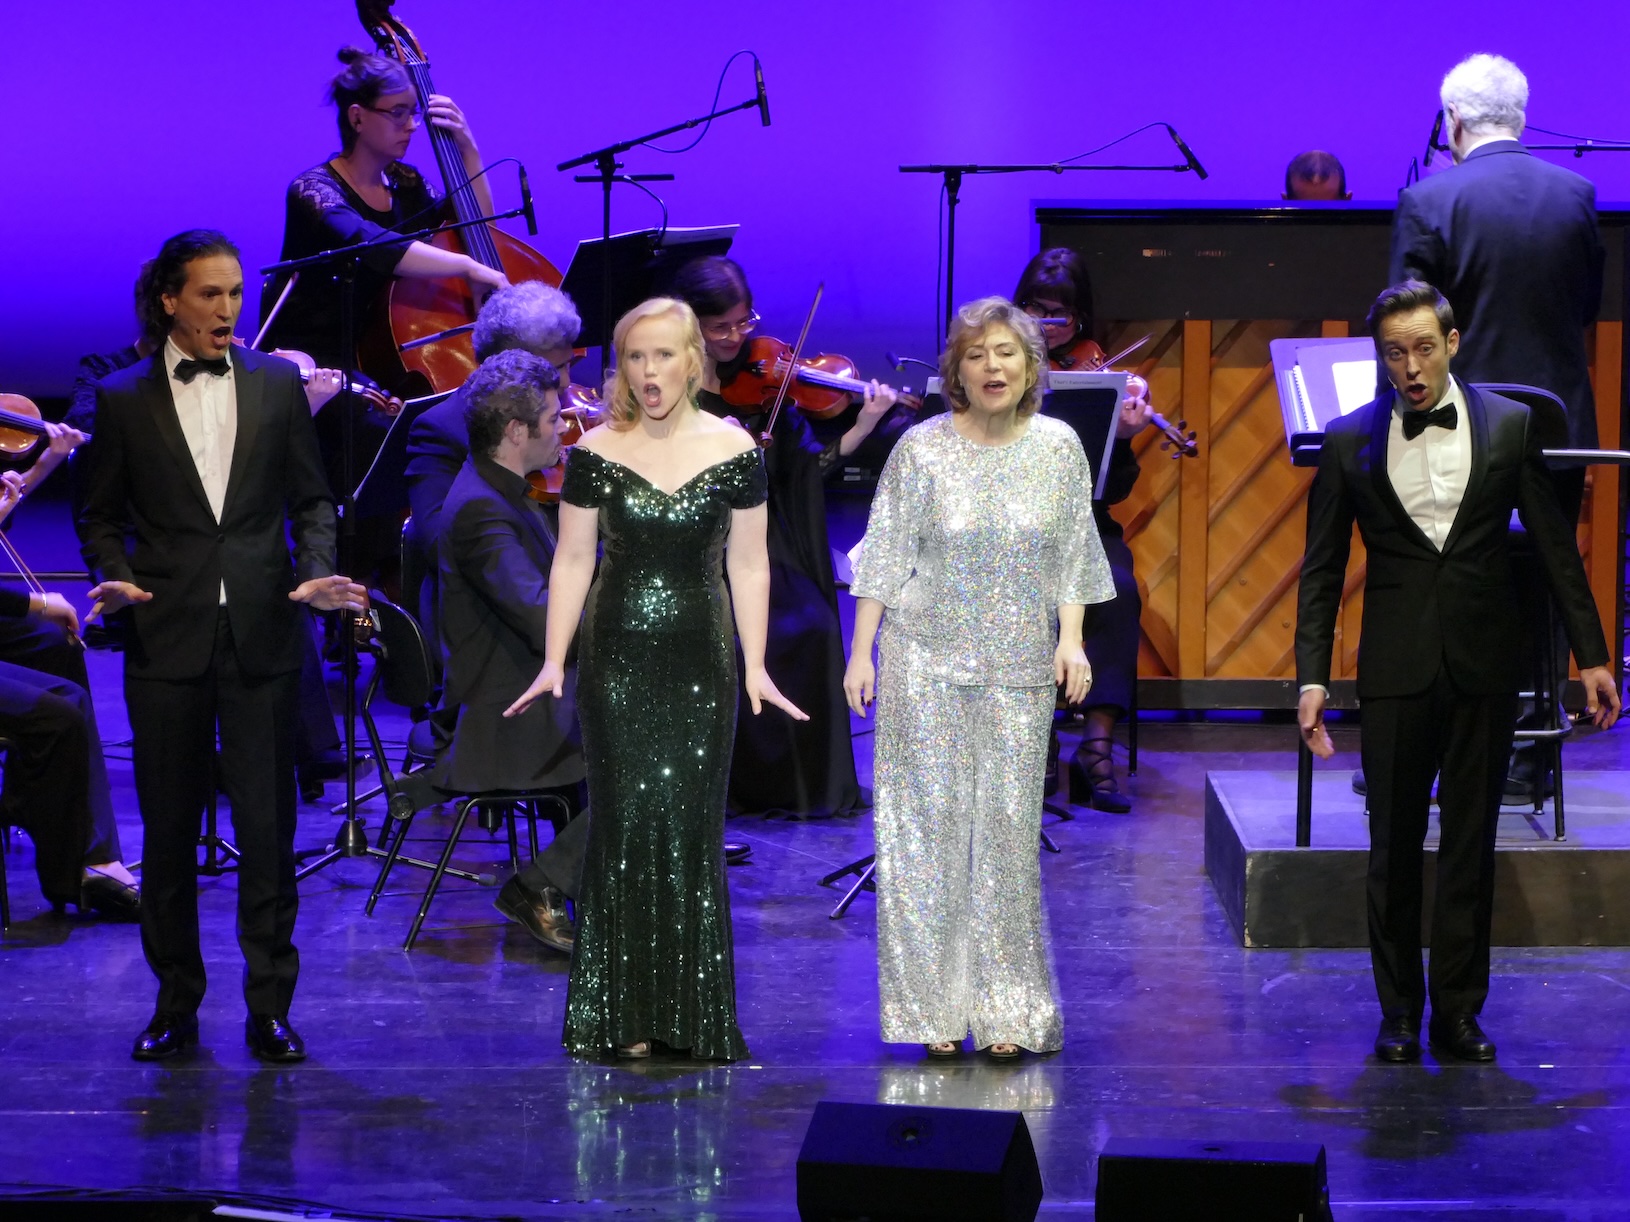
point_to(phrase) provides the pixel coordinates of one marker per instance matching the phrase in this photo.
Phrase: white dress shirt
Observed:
(208, 410)
(1429, 472)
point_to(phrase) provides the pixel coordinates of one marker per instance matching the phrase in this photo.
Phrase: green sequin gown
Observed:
(657, 705)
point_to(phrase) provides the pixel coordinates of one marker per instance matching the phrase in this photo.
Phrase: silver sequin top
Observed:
(971, 549)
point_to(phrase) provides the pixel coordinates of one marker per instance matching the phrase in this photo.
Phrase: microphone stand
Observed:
(352, 838)
(953, 174)
(606, 173)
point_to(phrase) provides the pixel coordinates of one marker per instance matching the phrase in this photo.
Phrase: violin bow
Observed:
(277, 308)
(791, 374)
(34, 584)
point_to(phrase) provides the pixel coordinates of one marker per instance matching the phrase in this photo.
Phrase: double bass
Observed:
(417, 310)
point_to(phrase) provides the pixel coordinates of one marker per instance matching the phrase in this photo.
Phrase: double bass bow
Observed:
(421, 310)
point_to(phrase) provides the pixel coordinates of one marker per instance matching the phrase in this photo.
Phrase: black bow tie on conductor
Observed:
(1416, 423)
(189, 369)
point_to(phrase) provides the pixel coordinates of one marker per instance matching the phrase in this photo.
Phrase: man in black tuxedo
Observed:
(495, 551)
(1431, 471)
(204, 455)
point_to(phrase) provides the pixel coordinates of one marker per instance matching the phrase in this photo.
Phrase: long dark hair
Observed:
(711, 286)
(1060, 275)
(166, 275)
(365, 79)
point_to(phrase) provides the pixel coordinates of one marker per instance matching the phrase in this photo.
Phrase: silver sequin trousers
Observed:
(958, 778)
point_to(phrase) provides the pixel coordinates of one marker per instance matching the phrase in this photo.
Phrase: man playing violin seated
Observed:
(497, 546)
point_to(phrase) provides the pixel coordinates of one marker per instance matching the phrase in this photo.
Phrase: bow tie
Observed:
(1416, 423)
(189, 369)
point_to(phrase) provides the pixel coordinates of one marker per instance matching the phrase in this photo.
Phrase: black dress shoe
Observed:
(542, 912)
(736, 852)
(270, 1038)
(1461, 1037)
(1399, 1040)
(109, 897)
(166, 1036)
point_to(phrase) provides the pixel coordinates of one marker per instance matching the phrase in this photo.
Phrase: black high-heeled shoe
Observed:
(1092, 778)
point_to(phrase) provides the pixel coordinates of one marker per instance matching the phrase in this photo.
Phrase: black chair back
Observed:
(404, 667)
(1549, 412)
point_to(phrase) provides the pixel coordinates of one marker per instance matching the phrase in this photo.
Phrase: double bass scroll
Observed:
(415, 309)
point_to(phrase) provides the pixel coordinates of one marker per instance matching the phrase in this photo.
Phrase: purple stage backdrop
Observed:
(130, 121)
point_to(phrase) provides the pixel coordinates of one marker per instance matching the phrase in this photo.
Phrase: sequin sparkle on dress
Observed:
(657, 706)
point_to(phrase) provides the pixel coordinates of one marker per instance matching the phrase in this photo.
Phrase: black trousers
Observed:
(560, 864)
(1462, 739)
(1110, 634)
(176, 725)
(38, 644)
(47, 783)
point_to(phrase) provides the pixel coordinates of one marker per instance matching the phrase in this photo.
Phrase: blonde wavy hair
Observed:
(622, 405)
(969, 327)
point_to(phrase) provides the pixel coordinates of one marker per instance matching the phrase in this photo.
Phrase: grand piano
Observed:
(1218, 538)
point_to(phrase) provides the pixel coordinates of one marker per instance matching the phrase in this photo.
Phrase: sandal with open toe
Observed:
(635, 1052)
(1002, 1052)
(943, 1049)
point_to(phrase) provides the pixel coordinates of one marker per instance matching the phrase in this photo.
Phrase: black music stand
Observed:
(631, 267)
(606, 174)
(352, 838)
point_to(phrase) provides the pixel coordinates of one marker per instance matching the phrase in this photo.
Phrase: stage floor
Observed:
(437, 1084)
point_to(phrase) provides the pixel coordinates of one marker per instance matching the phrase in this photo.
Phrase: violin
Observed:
(439, 314)
(1083, 355)
(580, 411)
(21, 426)
(360, 385)
(821, 389)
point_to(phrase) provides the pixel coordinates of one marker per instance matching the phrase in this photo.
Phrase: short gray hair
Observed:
(1488, 92)
(531, 316)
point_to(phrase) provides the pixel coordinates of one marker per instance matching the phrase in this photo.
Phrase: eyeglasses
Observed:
(1048, 313)
(400, 114)
(725, 330)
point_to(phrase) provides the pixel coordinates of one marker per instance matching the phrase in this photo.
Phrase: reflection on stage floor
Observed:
(437, 1083)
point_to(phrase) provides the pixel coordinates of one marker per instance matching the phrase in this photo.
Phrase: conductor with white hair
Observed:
(1512, 242)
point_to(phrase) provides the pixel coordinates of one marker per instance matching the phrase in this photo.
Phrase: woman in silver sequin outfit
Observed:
(981, 550)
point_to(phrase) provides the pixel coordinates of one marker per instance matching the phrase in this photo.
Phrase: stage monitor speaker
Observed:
(1211, 1181)
(96, 1206)
(887, 1163)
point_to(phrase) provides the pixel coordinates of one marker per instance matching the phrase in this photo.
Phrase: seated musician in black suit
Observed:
(56, 779)
(530, 317)
(497, 545)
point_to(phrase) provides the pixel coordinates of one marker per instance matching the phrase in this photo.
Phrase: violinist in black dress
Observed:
(780, 765)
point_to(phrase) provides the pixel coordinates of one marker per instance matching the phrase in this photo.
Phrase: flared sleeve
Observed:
(1083, 571)
(888, 553)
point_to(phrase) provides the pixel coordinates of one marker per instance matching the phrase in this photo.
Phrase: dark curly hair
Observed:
(508, 386)
(166, 275)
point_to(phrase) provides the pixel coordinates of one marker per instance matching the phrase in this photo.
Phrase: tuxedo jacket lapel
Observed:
(1477, 421)
(1380, 434)
(167, 424)
(251, 388)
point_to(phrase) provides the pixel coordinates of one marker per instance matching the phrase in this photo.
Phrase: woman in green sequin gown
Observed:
(677, 499)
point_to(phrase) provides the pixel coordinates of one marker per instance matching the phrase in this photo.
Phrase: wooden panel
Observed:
(1192, 524)
(1601, 512)
(1218, 540)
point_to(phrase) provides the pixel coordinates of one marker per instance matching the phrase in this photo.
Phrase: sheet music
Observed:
(1355, 383)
